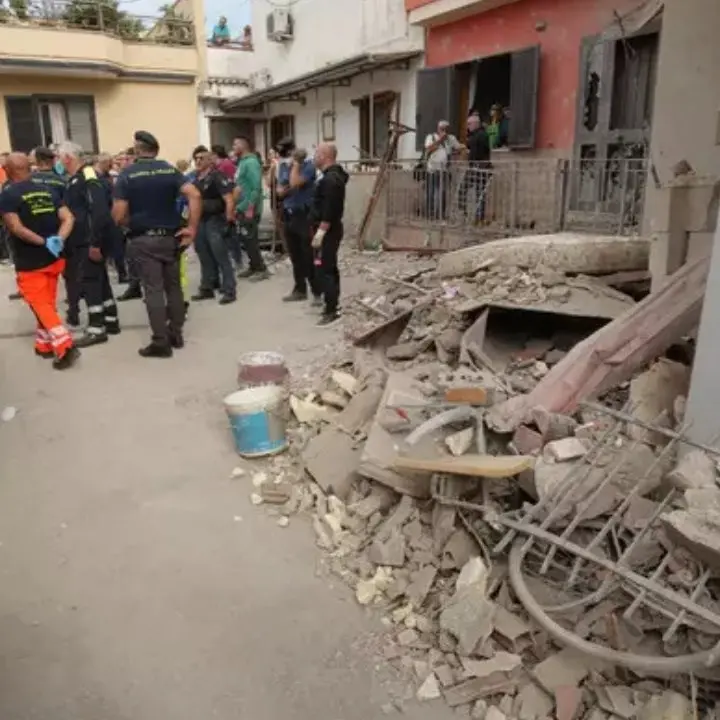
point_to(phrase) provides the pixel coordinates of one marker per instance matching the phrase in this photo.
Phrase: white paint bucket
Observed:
(258, 419)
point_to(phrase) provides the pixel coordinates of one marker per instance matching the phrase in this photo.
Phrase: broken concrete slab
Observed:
(527, 441)
(568, 667)
(400, 515)
(612, 354)
(381, 450)
(563, 252)
(509, 625)
(698, 531)
(474, 689)
(332, 459)
(568, 448)
(494, 713)
(468, 616)
(532, 703)
(694, 471)
(652, 398)
(501, 662)
(668, 706)
(421, 584)
(333, 399)
(379, 500)
(408, 350)
(474, 575)
(459, 443)
(460, 547)
(617, 700)
(430, 689)
(390, 552)
(492, 466)
(345, 381)
(308, 412)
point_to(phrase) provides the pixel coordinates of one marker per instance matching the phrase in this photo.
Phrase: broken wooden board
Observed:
(563, 252)
(381, 448)
(478, 396)
(616, 351)
(492, 466)
(388, 333)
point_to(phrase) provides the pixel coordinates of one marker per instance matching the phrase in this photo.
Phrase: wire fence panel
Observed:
(513, 197)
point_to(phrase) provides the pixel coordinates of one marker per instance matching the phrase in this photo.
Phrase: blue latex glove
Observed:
(54, 244)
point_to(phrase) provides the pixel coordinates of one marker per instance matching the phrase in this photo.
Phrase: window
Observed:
(281, 126)
(41, 120)
(385, 107)
(510, 80)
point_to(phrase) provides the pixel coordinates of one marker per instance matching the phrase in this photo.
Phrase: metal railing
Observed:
(519, 197)
(99, 16)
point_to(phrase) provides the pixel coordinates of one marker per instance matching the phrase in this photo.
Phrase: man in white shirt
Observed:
(439, 150)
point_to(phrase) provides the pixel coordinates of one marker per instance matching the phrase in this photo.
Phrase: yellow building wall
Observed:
(169, 111)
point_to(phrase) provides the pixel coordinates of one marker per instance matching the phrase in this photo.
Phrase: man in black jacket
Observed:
(478, 173)
(327, 213)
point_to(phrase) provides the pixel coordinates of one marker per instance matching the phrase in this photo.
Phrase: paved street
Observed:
(136, 580)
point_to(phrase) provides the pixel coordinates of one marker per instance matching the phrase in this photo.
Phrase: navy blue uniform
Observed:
(87, 200)
(151, 188)
(52, 181)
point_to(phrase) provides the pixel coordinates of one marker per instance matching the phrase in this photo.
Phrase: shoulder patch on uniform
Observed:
(89, 173)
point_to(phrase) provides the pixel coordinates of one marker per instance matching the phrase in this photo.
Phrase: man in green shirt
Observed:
(249, 206)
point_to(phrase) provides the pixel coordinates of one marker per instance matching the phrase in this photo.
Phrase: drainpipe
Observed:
(371, 120)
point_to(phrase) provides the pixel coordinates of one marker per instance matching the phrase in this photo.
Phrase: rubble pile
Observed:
(566, 567)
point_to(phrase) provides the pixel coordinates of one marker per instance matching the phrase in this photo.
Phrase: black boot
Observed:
(90, 339)
(154, 350)
(70, 357)
(132, 292)
(295, 296)
(203, 295)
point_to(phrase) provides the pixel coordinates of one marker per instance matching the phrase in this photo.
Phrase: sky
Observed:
(238, 12)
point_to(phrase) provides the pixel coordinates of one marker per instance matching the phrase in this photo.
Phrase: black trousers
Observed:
(329, 273)
(85, 278)
(158, 260)
(299, 243)
(248, 238)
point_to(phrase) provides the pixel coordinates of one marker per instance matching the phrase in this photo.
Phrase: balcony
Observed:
(440, 12)
(87, 38)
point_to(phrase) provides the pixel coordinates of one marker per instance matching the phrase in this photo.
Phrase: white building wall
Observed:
(328, 31)
(308, 129)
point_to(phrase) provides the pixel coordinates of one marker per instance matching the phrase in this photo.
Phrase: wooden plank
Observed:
(468, 396)
(493, 466)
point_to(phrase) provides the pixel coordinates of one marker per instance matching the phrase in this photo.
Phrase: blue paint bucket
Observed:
(258, 419)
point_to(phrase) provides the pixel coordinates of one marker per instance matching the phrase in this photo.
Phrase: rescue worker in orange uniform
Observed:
(38, 224)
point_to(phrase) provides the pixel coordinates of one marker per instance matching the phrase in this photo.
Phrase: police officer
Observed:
(295, 184)
(146, 201)
(90, 243)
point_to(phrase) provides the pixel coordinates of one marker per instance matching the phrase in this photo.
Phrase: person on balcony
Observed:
(440, 147)
(477, 174)
(221, 32)
(497, 130)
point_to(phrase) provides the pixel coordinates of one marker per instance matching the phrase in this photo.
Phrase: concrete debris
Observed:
(430, 689)
(460, 442)
(346, 382)
(569, 448)
(409, 482)
(617, 700)
(652, 398)
(695, 470)
(390, 552)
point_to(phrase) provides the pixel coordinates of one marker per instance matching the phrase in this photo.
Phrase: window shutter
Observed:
(524, 76)
(436, 99)
(81, 123)
(23, 125)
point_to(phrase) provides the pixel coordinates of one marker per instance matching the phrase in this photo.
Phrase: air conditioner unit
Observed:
(279, 25)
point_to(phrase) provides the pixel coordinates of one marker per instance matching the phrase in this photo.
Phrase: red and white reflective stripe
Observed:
(60, 335)
(42, 334)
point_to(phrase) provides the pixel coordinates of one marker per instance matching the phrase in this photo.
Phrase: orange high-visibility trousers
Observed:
(39, 289)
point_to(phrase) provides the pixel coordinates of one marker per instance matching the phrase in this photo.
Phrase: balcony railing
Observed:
(101, 16)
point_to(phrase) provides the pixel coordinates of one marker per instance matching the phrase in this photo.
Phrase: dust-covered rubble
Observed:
(418, 545)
